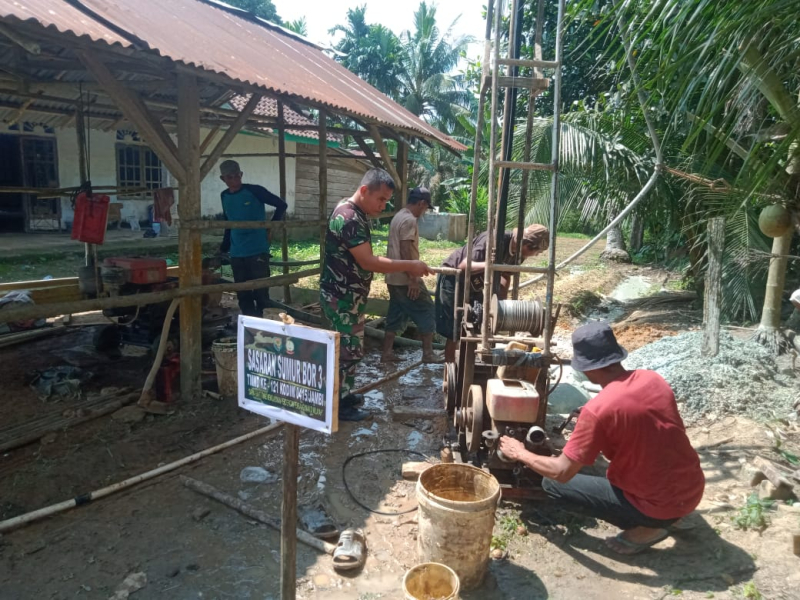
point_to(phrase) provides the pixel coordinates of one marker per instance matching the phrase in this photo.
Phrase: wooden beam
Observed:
(287, 294)
(205, 224)
(208, 139)
(384, 152)
(402, 172)
(135, 110)
(323, 182)
(291, 468)
(229, 136)
(370, 154)
(713, 287)
(190, 248)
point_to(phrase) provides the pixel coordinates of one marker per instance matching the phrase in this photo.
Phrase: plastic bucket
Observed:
(431, 581)
(224, 351)
(457, 505)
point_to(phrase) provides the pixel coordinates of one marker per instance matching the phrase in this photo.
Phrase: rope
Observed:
(367, 453)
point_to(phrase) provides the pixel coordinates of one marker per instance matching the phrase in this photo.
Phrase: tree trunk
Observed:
(615, 246)
(637, 233)
(769, 330)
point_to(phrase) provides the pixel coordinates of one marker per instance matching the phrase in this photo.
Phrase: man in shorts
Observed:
(347, 277)
(408, 296)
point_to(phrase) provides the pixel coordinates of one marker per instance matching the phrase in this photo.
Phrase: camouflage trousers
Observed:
(346, 315)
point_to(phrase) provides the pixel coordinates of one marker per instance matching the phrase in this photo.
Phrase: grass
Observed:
(751, 515)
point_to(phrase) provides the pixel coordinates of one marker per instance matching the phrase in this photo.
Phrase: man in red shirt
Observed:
(654, 477)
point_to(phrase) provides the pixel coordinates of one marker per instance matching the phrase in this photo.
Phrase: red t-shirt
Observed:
(635, 423)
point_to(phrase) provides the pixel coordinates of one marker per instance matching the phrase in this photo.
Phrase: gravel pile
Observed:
(742, 379)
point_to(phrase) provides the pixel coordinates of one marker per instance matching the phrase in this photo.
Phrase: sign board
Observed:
(289, 373)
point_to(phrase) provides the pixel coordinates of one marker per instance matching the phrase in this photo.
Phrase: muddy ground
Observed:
(191, 547)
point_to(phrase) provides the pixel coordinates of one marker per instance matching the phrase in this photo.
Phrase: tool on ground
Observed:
(572, 415)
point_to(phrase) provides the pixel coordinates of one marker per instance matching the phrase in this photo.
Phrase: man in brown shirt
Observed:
(408, 297)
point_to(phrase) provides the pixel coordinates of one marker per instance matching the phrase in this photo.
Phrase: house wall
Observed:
(344, 177)
(103, 168)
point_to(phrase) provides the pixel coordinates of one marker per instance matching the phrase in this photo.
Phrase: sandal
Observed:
(350, 552)
(317, 522)
(633, 547)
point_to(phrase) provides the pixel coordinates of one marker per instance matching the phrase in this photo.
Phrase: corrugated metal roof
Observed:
(268, 107)
(214, 39)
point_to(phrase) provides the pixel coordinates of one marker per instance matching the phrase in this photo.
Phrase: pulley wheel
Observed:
(450, 387)
(473, 419)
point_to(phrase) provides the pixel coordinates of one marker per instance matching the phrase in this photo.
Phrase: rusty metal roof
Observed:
(214, 39)
(268, 107)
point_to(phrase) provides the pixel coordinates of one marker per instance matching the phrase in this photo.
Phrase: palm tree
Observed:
(725, 74)
(429, 88)
(299, 26)
(264, 9)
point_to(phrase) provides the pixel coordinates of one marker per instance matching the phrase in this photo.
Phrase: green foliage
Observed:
(260, 8)
(299, 26)
(751, 515)
(458, 201)
(750, 591)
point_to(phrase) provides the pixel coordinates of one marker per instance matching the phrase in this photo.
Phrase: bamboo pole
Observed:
(205, 224)
(323, 182)
(35, 515)
(61, 308)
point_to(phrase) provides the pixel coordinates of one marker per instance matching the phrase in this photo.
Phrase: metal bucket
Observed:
(457, 504)
(431, 581)
(225, 360)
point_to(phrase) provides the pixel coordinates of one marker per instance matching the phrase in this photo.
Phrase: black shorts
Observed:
(444, 305)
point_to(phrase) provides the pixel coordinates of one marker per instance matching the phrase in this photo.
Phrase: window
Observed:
(138, 167)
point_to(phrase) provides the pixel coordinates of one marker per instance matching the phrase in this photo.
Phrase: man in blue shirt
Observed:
(249, 248)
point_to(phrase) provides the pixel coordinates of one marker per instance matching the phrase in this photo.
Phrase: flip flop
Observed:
(351, 550)
(317, 522)
(353, 414)
(351, 400)
(633, 546)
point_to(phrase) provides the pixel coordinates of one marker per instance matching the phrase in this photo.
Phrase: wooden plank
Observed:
(287, 295)
(190, 249)
(368, 151)
(384, 152)
(209, 138)
(291, 458)
(713, 287)
(232, 131)
(205, 224)
(135, 110)
(402, 172)
(323, 182)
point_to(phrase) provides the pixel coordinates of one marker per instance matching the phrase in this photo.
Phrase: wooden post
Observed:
(713, 286)
(402, 172)
(287, 294)
(385, 157)
(291, 450)
(323, 181)
(189, 240)
(80, 130)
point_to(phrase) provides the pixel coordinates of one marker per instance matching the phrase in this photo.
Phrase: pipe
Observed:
(35, 515)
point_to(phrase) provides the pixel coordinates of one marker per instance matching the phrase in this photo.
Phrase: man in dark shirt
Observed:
(347, 276)
(249, 248)
(535, 239)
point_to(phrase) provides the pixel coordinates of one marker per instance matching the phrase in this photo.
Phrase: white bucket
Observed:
(225, 359)
(457, 504)
(431, 581)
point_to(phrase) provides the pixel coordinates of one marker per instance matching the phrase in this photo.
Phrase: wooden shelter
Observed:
(167, 68)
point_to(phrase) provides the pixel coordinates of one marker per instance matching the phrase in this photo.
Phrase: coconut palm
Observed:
(726, 76)
(299, 26)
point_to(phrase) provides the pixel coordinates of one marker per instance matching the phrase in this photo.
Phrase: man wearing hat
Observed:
(249, 248)
(535, 239)
(654, 477)
(408, 297)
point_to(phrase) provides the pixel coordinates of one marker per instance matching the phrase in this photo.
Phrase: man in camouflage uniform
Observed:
(347, 276)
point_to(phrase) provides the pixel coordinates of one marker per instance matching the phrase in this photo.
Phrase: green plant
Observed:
(751, 515)
(750, 591)
(459, 202)
(499, 542)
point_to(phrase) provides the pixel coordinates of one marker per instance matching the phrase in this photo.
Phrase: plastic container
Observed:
(224, 351)
(512, 400)
(90, 220)
(457, 504)
(141, 271)
(431, 581)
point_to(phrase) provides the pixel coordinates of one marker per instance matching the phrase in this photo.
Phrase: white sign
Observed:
(289, 373)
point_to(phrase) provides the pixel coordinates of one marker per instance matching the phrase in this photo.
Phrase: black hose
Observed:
(368, 452)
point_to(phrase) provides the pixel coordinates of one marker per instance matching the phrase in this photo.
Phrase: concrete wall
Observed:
(445, 226)
(103, 169)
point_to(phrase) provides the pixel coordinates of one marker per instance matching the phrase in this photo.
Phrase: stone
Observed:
(129, 414)
(257, 475)
(768, 491)
(201, 513)
(751, 474)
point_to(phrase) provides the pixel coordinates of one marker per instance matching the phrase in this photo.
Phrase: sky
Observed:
(397, 15)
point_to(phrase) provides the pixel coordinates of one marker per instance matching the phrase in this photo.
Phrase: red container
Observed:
(165, 379)
(91, 216)
(141, 271)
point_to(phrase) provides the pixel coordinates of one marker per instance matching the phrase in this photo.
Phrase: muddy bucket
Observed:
(224, 351)
(457, 503)
(431, 581)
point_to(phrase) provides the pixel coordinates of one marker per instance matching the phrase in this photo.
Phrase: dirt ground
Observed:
(191, 547)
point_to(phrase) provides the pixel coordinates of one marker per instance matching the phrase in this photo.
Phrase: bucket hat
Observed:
(594, 346)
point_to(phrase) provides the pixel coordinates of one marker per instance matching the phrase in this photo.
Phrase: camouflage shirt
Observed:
(341, 275)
